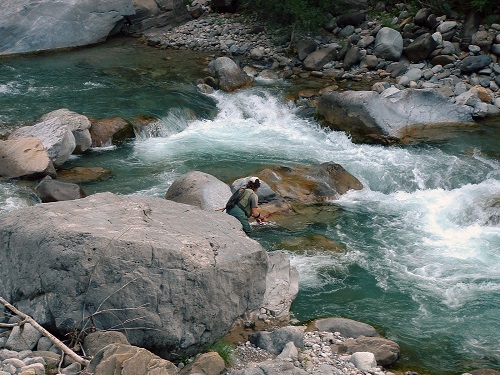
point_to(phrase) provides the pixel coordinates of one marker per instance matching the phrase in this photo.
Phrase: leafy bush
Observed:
(301, 14)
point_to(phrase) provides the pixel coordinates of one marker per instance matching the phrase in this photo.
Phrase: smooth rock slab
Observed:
(34, 25)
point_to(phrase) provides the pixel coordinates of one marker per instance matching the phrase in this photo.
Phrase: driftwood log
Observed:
(28, 319)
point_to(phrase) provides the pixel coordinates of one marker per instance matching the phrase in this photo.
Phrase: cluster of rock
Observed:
(332, 345)
(40, 150)
(422, 51)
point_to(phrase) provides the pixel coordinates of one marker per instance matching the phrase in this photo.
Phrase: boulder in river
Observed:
(172, 276)
(56, 137)
(393, 114)
(310, 184)
(229, 75)
(78, 124)
(199, 189)
(25, 157)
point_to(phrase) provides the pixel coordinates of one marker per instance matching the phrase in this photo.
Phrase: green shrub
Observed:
(225, 350)
(300, 14)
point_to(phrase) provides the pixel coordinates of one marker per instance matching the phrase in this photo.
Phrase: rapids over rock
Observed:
(420, 241)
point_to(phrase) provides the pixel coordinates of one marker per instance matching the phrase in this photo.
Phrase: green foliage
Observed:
(459, 6)
(301, 14)
(225, 350)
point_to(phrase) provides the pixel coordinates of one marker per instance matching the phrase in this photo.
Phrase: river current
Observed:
(422, 247)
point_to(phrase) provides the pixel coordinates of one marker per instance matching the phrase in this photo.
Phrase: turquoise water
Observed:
(422, 259)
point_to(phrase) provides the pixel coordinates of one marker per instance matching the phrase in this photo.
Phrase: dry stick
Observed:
(47, 334)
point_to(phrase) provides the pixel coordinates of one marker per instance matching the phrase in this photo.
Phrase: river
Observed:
(422, 253)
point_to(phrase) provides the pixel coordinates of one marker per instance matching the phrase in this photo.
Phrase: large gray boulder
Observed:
(171, 276)
(199, 189)
(56, 137)
(229, 75)
(34, 25)
(155, 13)
(78, 124)
(400, 114)
(25, 157)
(388, 44)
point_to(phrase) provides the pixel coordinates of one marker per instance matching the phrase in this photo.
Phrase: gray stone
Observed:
(127, 359)
(78, 124)
(305, 47)
(73, 369)
(421, 16)
(192, 270)
(271, 367)
(495, 48)
(49, 190)
(388, 44)
(55, 136)
(96, 341)
(446, 26)
(351, 19)
(386, 351)
(366, 41)
(275, 341)
(29, 25)
(25, 157)
(317, 59)
(363, 361)
(366, 112)
(346, 31)
(199, 189)
(230, 76)
(352, 57)
(346, 327)
(420, 48)
(474, 63)
(24, 338)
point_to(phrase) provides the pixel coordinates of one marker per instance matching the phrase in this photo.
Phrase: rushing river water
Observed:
(422, 258)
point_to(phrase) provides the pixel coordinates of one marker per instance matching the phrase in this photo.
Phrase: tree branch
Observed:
(50, 336)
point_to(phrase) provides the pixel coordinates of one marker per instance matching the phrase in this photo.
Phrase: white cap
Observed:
(253, 180)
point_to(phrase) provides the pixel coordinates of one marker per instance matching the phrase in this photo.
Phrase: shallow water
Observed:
(422, 255)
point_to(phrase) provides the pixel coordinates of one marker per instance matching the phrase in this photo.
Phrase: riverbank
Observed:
(346, 57)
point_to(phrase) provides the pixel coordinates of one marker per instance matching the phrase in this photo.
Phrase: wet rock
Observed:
(110, 131)
(229, 75)
(199, 189)
(49, 190)
(78, 175)
(310, 184)
(391, 113)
